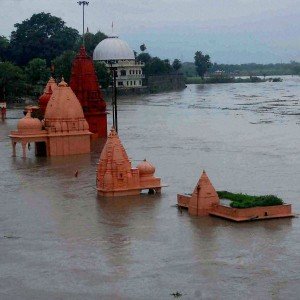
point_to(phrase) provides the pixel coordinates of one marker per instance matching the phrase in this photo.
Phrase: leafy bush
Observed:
(246, 201)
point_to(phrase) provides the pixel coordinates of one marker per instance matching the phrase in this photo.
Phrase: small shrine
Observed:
(115, 175)
(205, 201)
(64, 131)
(84, 83)
(45, 97)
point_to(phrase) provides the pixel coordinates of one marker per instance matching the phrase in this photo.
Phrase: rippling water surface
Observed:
(58, 240)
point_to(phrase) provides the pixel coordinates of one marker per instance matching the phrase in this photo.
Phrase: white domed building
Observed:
(115, 52)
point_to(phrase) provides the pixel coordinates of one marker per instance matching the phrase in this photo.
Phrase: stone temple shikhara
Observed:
(116, 176)
(64, 131)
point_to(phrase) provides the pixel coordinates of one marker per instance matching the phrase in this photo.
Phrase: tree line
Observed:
(250, 69)
(37, 47)
(43, 44)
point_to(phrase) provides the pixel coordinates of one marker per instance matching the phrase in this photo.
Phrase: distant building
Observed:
(115, 52)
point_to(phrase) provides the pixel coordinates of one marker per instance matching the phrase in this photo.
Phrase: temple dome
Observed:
(63, 104)
(64, 111)
(113, 48)
(45, 97)
(51, 86)
(29, 124)
(145, 168)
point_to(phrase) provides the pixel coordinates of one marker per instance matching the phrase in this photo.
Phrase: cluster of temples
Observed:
(63, 131)
(84, 83)
(71, 114)
(74, 113)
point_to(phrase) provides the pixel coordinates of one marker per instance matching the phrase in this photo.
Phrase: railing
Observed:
(129, 64)
(132, 77)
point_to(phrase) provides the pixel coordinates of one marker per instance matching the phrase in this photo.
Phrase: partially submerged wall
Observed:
(168, 82)
(253, 213)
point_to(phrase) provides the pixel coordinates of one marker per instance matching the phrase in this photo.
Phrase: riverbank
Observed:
(227, 79)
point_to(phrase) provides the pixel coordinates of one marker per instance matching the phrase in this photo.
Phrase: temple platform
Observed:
(253, 213)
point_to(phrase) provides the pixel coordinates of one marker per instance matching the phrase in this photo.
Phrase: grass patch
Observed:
(246, 201)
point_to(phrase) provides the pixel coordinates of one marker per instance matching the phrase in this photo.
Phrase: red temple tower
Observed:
(84, 83)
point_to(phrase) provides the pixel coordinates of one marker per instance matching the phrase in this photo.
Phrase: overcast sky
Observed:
(231, 31)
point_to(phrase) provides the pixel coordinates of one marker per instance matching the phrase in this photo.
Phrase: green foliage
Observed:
(12, 80)
(143, 47)
(43, 36)
(157, 67)
(292, 68)
(4, 48)
(176, 64)
(225, 79)
(295, 67)
(144, 57)
(63, 65)
(91, 40)
(202, 63)
(102, 74)
(37, 71)
(258, 69)
(154, 65)
(247, 201)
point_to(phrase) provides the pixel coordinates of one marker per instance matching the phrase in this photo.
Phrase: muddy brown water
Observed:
(58, 240)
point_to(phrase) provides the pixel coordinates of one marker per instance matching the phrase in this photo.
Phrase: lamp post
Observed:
(83, 3)
(114, 103)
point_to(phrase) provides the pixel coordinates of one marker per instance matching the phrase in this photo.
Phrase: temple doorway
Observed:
(40, 149)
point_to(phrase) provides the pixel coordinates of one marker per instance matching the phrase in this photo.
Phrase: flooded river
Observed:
(58, 240)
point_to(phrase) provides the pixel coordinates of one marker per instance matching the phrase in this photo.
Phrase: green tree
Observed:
(63, 65)
(37, 71)
(91, 40)
(176, 64)
(102, 74)
(44, 36)
(4, 48)
(143, 47)
(144, 57)
(156, 66)
(12, 80)
(202, 63)
(295, 66)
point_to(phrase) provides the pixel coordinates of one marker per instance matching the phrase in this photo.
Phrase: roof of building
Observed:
(146, 168)
(84, 83)
(113, 48)
(63, 104)
(29, 124)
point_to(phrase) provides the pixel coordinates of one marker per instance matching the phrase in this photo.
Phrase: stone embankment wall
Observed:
(161, 83)
(153, 84)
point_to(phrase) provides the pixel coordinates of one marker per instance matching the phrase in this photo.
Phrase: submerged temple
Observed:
(115, 175)
(45, 97)
(84, 83)
(203, 198)
(205, 201)
(64, 130)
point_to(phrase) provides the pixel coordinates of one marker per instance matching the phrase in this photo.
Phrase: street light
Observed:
(114, 103)
(83, 3)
